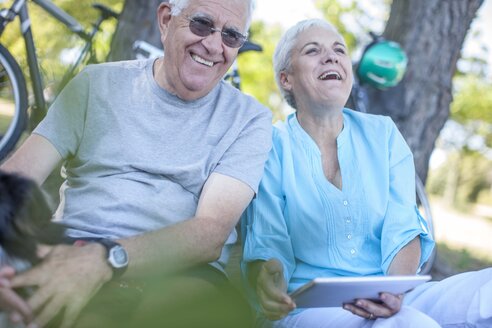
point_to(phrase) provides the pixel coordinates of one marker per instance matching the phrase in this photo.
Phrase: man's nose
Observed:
(213, 42)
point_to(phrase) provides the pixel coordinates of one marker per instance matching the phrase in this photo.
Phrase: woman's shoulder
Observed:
(369, 122)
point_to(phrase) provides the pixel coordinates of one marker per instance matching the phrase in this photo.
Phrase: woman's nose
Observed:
(330, 57)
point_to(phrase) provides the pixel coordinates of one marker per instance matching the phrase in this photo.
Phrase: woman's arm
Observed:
(271, 288)
(406, 261)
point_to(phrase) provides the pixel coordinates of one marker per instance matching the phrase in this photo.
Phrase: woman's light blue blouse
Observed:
(317, 230)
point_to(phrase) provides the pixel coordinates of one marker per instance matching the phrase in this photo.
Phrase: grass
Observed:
(461, 259)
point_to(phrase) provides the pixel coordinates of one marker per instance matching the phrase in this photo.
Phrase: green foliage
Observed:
(473, 100)
(470, 170)
(462, 259)
(333, 11)
(466, 178)
(256, 68)
(53, 39)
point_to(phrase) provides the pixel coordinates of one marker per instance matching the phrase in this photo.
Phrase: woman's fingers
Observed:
(393, 302)
(368, 309)
(271, 291)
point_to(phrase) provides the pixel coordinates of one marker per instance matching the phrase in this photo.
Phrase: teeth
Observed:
(200, 60)
(330, 75)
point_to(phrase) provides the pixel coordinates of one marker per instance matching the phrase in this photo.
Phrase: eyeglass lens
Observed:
(204, 27)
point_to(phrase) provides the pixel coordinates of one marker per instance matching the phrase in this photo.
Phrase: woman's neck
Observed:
(323, 125)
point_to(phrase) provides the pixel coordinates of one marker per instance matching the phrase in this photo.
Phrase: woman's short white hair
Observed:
(283, 52)
(180, 5)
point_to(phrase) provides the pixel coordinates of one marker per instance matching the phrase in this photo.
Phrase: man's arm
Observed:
(196, 240)
(35, 159)
(70, 276)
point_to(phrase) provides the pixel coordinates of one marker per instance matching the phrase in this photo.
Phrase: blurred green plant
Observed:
(55, 43)
(466, 177)
(462, 259)
(256, 68)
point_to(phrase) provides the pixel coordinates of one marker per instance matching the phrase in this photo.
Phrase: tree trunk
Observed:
(137, 22)
(432, 33)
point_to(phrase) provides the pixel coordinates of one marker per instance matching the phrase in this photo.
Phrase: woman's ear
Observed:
(284, 81)
(163, 17)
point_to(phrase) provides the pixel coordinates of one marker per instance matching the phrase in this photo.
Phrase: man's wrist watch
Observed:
(117, 256)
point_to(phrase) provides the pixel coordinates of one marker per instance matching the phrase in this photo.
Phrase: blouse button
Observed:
(349, 236)
(352, 251)
(345, 203)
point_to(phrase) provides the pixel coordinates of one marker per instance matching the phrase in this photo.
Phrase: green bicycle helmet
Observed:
(382, 64)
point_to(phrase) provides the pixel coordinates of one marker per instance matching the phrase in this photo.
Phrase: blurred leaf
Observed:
(53, 39)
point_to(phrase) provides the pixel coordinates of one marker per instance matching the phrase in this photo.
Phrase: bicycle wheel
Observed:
(13, 102)
(425, 211)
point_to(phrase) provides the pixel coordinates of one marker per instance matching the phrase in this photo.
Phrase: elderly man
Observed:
(161, 158)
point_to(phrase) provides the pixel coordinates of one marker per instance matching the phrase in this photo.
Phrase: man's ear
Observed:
(284, 81)
(163, 17)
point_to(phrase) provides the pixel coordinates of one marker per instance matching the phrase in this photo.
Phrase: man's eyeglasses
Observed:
(203, 26)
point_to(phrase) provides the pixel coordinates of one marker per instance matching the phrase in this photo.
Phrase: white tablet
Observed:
(335, 291)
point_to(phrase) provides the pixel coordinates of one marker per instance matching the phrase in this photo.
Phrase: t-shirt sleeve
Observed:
(64, 123)
(245, 158)
(263, 223)
(402, 221)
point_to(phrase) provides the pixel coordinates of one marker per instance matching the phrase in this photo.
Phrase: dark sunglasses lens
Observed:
(203, 27)
(200, 27)
(232, 38)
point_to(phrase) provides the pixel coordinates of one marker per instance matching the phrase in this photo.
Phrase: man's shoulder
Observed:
(246, 102)
(123, 67)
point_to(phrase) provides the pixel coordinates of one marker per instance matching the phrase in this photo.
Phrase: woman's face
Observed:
(321, 69)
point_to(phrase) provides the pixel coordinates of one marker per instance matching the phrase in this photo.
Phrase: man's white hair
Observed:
(179, 5)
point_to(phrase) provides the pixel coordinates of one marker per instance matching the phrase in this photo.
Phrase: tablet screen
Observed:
(335, 291)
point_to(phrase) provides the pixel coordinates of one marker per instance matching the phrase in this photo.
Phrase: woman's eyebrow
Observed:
(337, 43)
(309, 44)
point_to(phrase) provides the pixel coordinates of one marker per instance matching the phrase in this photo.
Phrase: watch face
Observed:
(118, 257)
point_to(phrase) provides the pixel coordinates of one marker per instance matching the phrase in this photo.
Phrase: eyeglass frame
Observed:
(211, 29)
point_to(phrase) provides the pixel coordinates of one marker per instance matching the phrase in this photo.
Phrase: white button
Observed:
(348, 221)
(352, 251)
(345, 203)
(349, 236)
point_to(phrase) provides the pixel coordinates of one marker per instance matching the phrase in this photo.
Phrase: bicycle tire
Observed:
(426, 213)
(13, 102)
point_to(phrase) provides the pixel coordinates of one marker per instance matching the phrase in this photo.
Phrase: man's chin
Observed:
(200, 87)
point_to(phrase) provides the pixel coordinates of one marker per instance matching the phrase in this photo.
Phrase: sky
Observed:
(288, 12)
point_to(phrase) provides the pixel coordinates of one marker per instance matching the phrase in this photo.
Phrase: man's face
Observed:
(193, 64)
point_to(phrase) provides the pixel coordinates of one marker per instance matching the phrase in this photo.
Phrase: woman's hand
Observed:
(10, 302)
(390, 304)
(66, 279)
(271, 290)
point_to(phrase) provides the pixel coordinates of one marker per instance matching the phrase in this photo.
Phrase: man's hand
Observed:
(66, 279)
(271, 290)
(390, 305)
(19, 311)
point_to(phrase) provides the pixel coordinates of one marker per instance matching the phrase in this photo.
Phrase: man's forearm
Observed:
(406, 262)
(169, 250)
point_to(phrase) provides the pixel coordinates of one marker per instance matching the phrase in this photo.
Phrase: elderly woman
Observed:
(337, 199)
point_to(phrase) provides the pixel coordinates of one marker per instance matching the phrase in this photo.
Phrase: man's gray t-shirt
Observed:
(137, 157)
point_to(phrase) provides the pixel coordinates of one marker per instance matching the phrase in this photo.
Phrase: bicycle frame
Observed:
(19, 8)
